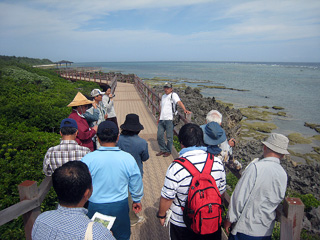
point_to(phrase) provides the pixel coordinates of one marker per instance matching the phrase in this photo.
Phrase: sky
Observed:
(161, 30)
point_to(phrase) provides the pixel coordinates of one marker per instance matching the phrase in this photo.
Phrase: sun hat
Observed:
(132, 123)
(213, 134)
(79, 100)
(96, 92)
(107, 125)
(167, 85)
(277, 143)
(69, 122)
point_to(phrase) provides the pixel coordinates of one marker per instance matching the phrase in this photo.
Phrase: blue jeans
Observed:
(165, 126)
(121, 227)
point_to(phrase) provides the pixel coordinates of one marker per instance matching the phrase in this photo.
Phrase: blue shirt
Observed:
(67, 223)
(113, 171)
(137, 147)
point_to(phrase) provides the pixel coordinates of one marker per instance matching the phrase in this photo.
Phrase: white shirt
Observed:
(166, 105)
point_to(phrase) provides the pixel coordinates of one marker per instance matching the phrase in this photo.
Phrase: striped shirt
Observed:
(67, 224)
(178, 179)
(67, 150)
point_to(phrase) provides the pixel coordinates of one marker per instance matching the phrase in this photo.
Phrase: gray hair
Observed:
(214, 116)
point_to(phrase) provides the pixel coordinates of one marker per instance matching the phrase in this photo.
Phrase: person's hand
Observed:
(227, 225)
(106, 116)
(162, 220)
(95, 128)
(110, 95)
(232, 142)
(187, 112)
(136, 207)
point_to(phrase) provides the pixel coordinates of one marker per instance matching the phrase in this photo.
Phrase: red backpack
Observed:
(202, 211)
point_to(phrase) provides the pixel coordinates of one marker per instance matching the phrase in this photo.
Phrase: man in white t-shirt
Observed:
(168, 105)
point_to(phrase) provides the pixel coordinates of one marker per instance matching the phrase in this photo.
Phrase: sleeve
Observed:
(99, 231)
(106, 103)
(91, 115)
(170, 185)
(145, 153)
(47, 170)
(241, 193)
(175, 98)
(135, 181)
(84, 132)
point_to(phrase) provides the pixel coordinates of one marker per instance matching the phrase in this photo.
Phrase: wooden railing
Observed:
(290, 214)
(31, 197)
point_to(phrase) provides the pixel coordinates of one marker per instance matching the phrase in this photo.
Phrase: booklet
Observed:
(106, 220)
(166, 221)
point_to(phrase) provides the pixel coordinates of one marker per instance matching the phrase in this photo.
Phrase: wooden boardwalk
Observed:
(127, 101)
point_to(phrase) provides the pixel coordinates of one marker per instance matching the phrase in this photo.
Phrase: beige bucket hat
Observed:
(277, 143)
(79, 100)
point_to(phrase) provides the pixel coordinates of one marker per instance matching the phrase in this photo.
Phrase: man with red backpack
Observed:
(193, 190)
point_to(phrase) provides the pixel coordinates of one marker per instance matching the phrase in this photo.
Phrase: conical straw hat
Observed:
(79, 100)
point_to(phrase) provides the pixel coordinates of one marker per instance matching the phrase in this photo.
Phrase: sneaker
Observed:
(140, 220)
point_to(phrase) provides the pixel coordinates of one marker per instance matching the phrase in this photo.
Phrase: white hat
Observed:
(277, 143)
(96, 92)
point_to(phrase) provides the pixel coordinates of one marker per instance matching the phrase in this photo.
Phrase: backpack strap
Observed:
(192, 169)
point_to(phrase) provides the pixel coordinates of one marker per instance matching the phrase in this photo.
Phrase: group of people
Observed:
(108, 175)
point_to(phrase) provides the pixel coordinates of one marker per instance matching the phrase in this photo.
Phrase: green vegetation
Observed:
(298, 138)
(232, 181)
(263, 127)
(313, 126)
(277, 108)
(33, 103)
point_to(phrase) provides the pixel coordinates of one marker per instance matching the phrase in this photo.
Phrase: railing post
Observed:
(29, 190)
(291, 221)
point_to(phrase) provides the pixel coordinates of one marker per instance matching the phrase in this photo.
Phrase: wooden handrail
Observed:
(18, 209)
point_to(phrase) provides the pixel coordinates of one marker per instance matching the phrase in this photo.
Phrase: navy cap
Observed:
(108, 125)
(69, 122)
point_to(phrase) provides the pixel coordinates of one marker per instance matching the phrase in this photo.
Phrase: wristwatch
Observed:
(161, 217)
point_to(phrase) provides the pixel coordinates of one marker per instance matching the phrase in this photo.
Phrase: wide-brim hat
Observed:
(277, 143)
(213, 134)
(79, 100)
(132, 123)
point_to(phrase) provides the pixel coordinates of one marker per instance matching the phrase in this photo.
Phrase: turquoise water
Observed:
(294, 86)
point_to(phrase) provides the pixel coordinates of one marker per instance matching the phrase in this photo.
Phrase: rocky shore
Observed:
(302, 179)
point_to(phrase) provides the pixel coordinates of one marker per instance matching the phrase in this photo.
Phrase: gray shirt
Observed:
(259, 191)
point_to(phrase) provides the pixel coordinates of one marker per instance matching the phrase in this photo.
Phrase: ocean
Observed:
(293, 86)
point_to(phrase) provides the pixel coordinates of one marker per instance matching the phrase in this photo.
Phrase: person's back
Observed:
(130, 142)
(114, 172)
(67, 150)
(73, 184)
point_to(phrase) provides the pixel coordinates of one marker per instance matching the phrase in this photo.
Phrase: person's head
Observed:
(73, 183)
(214, 116)
(213, 134)
(106, 89)
(107, 132)
(97, 95)
(80, 103)
(131, 125)
(276, 145)
(191, 135)
(167, 87)
(68, 127)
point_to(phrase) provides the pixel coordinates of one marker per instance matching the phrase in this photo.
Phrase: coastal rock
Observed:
(303, 179)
